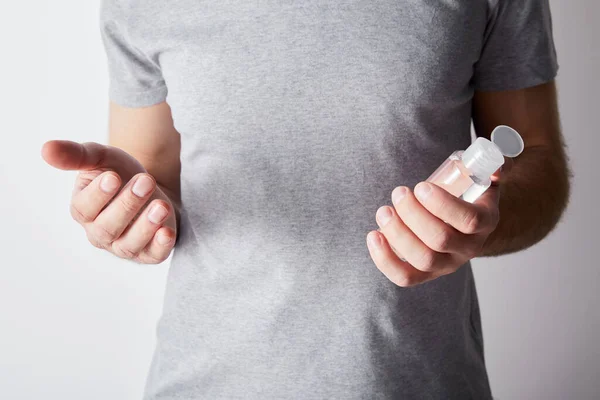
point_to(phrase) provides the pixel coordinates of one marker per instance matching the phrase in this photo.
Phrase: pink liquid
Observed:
(452, 176)
(457, 180)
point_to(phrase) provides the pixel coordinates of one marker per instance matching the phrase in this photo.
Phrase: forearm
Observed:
(533, 198)
(149, 136)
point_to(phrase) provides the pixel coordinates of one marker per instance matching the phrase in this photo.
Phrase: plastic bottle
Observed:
(466, 173)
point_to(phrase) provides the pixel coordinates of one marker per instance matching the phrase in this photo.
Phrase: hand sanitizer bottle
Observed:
(466, 173)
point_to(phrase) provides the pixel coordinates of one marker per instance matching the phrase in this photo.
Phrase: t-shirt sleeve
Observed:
(135, 78)
(518, 49)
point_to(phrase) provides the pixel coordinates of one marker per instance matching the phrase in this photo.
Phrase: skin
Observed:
(127, 194)
(525, 202)
(521, 208)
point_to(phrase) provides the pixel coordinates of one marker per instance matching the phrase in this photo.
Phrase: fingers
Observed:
(159, 247)
(412, 249)
(479, 217)
(135, 238)
(399, 272)
(109, 216)
(87, 203)
(115, 218)
(430, 233)
(431, 230)
(68, 155)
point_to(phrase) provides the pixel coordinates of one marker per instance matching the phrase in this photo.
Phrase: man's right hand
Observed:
(116, 201)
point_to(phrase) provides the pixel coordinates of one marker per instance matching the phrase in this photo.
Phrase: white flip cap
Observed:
(508, 141)
(483, 157)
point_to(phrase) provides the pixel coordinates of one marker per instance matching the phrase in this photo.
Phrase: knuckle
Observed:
(100, 150)
(129, 204)
(473, 222)
(154, 260)
(404, 279)
(441, 240)
(103, 234)
(102, 155)
(84, 178)
(123, 251)
(426, 262)
(473, 251)
(152, 257)
(94, 241)
(77, 215)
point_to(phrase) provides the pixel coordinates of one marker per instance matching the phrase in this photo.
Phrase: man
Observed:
(268, 138)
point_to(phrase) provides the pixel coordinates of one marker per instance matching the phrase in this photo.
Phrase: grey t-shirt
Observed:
(297, 120)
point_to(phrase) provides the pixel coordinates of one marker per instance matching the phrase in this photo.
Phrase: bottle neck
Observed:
(482, 158)
(477, 176)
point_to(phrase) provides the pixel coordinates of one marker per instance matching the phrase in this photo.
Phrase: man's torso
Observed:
(297, 119)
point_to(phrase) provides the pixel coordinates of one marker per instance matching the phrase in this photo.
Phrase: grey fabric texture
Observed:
(297, 120)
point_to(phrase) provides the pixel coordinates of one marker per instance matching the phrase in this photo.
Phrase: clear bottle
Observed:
(466, 173)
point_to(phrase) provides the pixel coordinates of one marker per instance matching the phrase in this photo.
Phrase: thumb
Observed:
(68, 155)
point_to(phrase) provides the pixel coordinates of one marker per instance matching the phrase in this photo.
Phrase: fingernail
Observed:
(163, 239)
(157, 213)
(143, 186)
(423, 191)
(398, 194)
(372, 239)
(384, 214)
(109, 183)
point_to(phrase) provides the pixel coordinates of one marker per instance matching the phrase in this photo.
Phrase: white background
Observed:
(76, 323)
